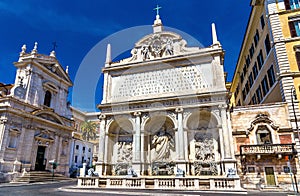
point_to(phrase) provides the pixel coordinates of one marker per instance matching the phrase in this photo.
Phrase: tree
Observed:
(88, 129)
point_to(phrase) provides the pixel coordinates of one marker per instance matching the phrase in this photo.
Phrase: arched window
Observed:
(263, 135)
(47, 100)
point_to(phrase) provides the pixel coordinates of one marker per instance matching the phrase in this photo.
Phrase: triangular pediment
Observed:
(55, 68)
(49, 115)
(44, 136)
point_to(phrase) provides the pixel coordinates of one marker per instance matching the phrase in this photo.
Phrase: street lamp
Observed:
(294, 96)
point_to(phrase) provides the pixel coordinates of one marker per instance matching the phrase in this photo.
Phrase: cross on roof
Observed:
(54, 45)
(157, 9)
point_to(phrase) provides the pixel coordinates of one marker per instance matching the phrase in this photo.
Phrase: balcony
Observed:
(267, 149)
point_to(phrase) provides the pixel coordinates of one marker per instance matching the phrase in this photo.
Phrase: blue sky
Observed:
(77, 26)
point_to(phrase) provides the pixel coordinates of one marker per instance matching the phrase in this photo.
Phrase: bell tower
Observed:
(41, 80)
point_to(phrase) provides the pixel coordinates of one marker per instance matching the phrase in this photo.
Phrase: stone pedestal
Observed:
(99, 168)
(181, 166)
(137, 167)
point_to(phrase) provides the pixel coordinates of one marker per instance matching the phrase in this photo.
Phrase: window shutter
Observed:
(287, 4)
(298, 59)
(292, 29)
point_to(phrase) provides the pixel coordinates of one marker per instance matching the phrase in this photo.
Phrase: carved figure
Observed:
(134, 54)
(204, 148)
(169, 47)
(124, 152)
(163, 141)
(131, 172)
(91, 172)
(231, 173)
(145, 52)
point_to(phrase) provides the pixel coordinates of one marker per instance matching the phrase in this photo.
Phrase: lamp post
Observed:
(294, 96)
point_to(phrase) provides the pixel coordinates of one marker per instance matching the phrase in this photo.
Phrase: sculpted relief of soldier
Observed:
(124, 152)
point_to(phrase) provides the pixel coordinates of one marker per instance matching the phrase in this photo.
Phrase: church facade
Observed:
(164, 110)
(35, 121)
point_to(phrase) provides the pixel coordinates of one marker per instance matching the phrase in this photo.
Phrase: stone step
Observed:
(43, 176)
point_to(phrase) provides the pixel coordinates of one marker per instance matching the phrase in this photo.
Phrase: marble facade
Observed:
(164, 110)
(35, 120)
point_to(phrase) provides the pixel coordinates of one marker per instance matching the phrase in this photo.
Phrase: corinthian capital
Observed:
(137, 114)
(179, 110)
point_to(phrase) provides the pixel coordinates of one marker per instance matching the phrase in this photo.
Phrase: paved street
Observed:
(68, 188)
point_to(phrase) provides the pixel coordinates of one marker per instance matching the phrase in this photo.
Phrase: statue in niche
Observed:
(163, 143)
(124, 152)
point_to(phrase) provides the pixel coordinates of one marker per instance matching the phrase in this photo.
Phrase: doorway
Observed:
(40, 163)
(270, 177)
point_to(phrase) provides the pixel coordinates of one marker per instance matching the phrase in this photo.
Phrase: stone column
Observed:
(59, 151)
(180, 134)
(99, 165)
(226, 135)
(102, 119)
(137, 138)
(3, 121)
(136, 162)
(142, 151)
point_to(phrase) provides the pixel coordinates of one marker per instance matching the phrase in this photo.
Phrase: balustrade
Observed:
(189, 183)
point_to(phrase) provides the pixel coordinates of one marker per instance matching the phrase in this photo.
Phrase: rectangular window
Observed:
(242, 78)
(237, 90)
(247, 87)
(260, 59)
(251, 169)
(258, 94)
(75, 160)
(265, 86)
(271, 76)
(83, 149)
(89, 149)
(12, 141)
(82, 159)
(262, 21)
(287, 4)
(250, 78)
(247, 61)
(244, 70)
(239, 103)
(254, 101)
(267, 44)
(251, 51)
(286, 169)
(77, 147)
(294, 28)
(294, 4)
(297, 53)
(244, 94)
(256, 38)
(255, 70)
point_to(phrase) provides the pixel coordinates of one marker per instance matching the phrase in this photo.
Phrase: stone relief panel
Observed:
(124, 152)
(204, 147)
(206, 154)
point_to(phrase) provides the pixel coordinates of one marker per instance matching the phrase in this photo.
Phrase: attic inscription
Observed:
(166, 81)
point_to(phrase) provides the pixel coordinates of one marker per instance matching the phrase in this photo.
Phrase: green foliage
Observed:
(88, 129)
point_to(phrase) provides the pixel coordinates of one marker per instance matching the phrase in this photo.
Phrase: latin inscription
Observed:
(167, 81)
